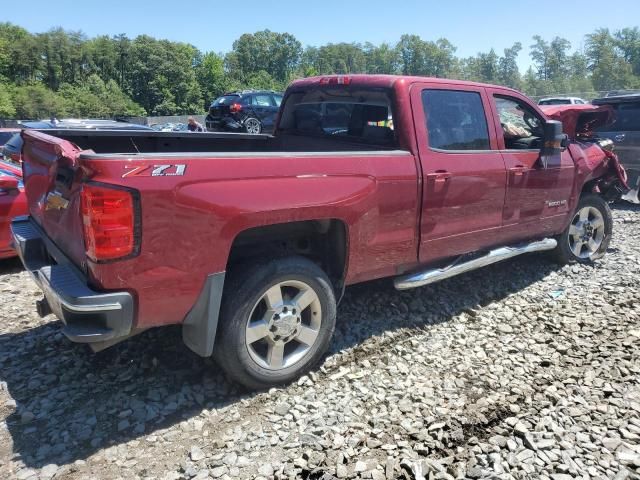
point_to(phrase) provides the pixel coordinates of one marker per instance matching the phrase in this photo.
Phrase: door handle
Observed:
(620, 138)
(439, 177)
(518, 171)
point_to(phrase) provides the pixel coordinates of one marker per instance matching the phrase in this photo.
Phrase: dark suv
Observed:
(249, 111)
(625, 132)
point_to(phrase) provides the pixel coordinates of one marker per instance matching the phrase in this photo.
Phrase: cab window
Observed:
(522, 128)
(455, 120)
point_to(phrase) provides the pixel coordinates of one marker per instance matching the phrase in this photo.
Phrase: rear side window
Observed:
(455, 120)
(262, 101)
(277, 99)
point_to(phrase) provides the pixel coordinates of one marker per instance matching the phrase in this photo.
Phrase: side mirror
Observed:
(554, 143)
(8, 182)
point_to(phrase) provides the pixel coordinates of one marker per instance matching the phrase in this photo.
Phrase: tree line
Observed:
(65, 73)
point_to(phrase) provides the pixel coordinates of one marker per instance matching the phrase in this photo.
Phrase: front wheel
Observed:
(588, 235)
(276, 322)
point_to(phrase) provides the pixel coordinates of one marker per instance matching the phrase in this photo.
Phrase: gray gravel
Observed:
(520, 370)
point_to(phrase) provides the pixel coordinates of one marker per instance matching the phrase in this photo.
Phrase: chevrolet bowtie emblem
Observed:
(55, 201)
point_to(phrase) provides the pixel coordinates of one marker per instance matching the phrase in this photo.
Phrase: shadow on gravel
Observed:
(70, 402)
(10, 265)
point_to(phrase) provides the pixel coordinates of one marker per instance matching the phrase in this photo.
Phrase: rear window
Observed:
(351, 114)
(225, 100)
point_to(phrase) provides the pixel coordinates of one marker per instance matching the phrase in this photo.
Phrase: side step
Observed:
(418, 279)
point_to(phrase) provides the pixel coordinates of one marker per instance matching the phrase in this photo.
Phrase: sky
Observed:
(213, 26)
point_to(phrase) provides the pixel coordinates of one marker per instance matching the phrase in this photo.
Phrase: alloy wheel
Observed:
(283, 325)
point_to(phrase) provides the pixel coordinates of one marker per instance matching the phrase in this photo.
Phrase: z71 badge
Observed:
(154, 170)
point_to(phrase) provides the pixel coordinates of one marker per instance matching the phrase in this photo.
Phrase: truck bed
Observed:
(131, 142)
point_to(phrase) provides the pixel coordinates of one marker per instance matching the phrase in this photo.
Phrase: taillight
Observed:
(235, 108)
(109, 222)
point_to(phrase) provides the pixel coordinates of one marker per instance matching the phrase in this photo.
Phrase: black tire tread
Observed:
(562, 254)
(243, 284)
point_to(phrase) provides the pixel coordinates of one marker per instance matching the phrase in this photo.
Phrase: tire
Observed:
(255, 325)
(252, 125)
(587, 236)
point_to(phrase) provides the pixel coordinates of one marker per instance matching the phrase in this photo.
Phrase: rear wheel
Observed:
(277, 321)
(588, 235)
(252, 126)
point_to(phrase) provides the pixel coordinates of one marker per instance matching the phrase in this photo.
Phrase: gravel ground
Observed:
(520, 370)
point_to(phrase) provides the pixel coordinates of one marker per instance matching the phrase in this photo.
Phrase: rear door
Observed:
(536, 198)
(265, 108)
(464, 174)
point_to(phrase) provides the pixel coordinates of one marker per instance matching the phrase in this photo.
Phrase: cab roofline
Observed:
(389, 81)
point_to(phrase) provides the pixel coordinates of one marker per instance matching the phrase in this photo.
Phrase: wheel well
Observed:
(322, 241)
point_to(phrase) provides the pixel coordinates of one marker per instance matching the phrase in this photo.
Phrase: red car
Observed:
(248, 241)
(13, 202)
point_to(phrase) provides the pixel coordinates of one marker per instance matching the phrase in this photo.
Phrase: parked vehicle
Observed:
(249, 240)
(13, 202)
(6, 134)
(249, 111)
(625, 132)
(11, 150)
(562, 101)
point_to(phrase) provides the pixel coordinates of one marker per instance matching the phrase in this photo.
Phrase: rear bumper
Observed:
(89, 316)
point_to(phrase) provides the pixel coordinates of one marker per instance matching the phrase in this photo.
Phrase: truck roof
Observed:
(385, 81)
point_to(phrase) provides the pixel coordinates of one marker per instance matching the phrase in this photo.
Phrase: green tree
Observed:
(211, 76)
(609, 70)
(7, 110)
(37, 102)
(278, 54)
(508, 72)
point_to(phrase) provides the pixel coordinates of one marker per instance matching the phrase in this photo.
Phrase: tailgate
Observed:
(52, 183)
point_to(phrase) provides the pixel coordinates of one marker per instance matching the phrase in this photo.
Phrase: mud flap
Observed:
(200, 324)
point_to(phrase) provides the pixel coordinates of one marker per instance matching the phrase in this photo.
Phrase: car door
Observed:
(464, 174)
(537, 197)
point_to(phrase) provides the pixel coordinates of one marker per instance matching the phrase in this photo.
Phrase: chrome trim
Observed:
(433, 275)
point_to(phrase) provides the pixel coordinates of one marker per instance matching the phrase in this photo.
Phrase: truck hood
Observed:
(579, 120)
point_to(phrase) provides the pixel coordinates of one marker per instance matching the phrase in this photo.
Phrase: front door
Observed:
(463, 172)
(537, 197)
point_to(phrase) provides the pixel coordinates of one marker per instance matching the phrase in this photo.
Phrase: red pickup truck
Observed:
(247, 241)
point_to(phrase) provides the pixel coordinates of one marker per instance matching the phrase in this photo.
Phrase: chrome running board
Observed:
(432, 275)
